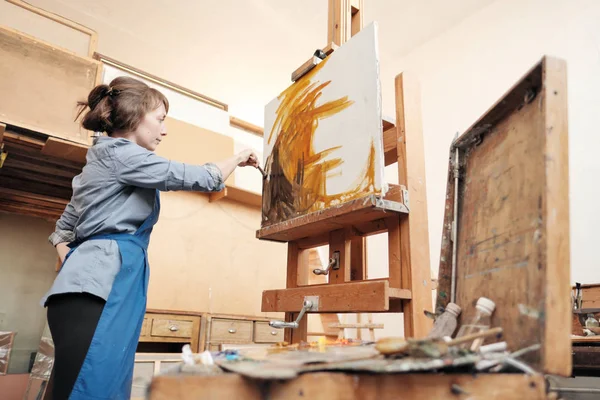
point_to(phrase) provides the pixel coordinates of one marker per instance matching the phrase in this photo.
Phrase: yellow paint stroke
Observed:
(294, 166)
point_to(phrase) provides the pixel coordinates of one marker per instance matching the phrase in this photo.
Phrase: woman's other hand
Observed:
(62, 249)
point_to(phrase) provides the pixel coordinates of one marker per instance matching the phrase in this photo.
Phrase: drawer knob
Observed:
(273, 333)
(232, 330)
(173, 328)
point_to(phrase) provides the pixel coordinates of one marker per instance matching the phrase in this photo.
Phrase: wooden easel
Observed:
(402, 213)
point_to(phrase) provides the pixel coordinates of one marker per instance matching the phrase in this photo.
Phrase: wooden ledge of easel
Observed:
(366, 215)
(360, 296)
(237, 194)
(328, 386)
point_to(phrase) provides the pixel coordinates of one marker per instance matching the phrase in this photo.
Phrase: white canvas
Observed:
(350, 72)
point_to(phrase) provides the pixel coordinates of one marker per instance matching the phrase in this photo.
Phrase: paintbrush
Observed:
(262, 171)
(434, 347)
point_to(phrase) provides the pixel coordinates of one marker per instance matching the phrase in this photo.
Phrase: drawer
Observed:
(225, 330)
(263, 333)
(146, 327)
(177, 328)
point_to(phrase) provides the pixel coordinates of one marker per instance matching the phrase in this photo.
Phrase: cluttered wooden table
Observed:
(503, 312)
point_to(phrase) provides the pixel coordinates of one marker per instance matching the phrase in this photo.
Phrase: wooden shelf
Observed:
(34, 179)
(366, 214)
(237, 194)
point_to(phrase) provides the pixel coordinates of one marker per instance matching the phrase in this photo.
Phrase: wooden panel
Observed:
(513, 219)
(590, 295)
(58, 78)
(172, 328)
(414, 235)
(224, 330)
(357, 211)
(365, 296)
(66, 150)
(263, 333)
(146, 327)
(194, 145)
(328, 386)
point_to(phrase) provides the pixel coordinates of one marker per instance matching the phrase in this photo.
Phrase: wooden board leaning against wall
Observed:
(203, 255)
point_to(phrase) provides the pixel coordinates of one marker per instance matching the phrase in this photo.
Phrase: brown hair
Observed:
(119, 106)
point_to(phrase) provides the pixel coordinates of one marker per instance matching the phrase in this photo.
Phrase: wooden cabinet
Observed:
(165, 326)
(205, 331)
(223, 330)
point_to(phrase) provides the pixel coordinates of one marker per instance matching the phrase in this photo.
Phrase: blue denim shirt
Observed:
(114, 194)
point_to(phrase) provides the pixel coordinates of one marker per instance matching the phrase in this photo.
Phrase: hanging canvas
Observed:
(323, 141)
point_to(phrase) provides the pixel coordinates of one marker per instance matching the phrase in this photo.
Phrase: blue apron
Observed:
(107, 371)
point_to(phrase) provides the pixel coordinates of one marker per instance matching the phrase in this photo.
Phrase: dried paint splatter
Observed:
(297, 174)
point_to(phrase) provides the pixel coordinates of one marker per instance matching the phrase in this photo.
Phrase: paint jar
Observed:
(591, 322)
(482, 321)
(445, 324)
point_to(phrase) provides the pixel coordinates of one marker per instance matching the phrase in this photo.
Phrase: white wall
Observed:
(467, 68)
(27, 263)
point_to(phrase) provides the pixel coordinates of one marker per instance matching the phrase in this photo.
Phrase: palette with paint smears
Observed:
(323, 135)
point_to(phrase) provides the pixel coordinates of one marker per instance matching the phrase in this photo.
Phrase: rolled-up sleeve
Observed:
(65, 226)
(137, 166)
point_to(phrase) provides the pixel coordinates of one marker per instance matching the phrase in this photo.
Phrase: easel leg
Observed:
(414, 237)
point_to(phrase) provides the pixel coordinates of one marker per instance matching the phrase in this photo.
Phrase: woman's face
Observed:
(151, 129)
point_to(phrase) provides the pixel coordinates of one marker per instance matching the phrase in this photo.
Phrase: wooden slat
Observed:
(35, 187)
(390, 151)
(414, 235)
(356, 326)
(247, 126)
(365, 296)
(24, 140)
(358, 257)
(2, 130)
(19, 161)
(64, 149)
(305, 68)
(556, 343)
(40, 199)
(353, 212)
(160, 81)
(329, 385)
(36, 177)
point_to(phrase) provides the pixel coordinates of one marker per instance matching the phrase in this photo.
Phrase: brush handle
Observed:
(473, 336)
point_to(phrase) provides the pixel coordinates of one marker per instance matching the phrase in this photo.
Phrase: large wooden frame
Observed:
(511, 240)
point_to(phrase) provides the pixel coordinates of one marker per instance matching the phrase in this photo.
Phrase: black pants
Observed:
(72, 318)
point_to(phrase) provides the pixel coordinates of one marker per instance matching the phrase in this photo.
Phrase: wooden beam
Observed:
(19, 194)
(356, 326)
(556, 339)
(2, 130)
(414, 236)
(247, 126)
(345, 19)
(363, 296)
